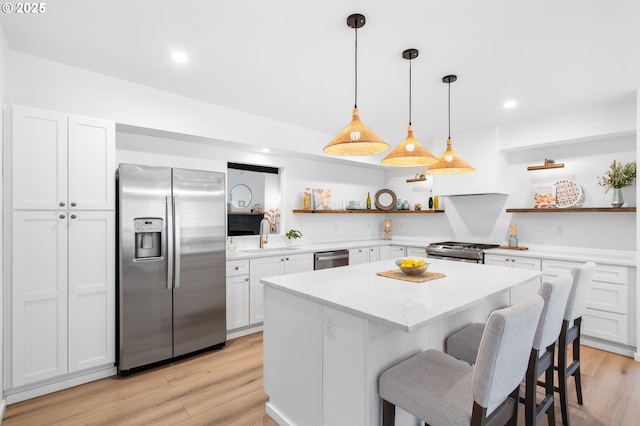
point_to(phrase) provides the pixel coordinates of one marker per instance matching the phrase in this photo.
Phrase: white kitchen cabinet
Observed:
(374, 254)
(61, 210)
(39, 296)
(358, 255)
(384, 252)
(91, 279)
(63, 293)
(62, 161)
(397, 252)
(237, 294)
(519, 262)
(416, 251)
(610, 313)
(268, 267)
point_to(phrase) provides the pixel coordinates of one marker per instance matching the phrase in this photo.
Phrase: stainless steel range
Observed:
(461, 252)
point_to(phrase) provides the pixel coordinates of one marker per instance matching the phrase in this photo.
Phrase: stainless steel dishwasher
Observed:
(330, 259)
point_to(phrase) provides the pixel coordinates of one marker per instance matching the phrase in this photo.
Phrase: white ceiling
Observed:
(293, 61)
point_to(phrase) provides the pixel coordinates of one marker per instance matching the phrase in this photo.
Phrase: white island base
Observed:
(328, 335)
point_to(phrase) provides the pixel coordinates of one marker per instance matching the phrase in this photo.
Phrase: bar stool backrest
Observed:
(504, 351)
(555, 294)
(577, 303)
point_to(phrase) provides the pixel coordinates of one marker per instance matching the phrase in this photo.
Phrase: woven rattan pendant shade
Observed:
(356, 139)
(450, 162)
(409, 153)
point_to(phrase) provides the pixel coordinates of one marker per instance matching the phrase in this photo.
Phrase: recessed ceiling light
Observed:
(510, 104)
(179, 57)
(266, 150)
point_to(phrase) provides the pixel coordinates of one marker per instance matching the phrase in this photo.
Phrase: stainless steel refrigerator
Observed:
(171, 284)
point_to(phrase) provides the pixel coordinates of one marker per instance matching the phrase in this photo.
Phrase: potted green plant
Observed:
(293, 234)
(617, 177)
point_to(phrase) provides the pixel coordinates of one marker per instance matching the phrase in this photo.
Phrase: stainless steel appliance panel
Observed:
(199, 302)
(144, 293)
(330, 259)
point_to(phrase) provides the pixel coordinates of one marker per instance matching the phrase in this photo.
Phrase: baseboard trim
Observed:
(3, 407)
(608, 346)
(14, 396)
(636, 357)
(234, 334)
(275, 414)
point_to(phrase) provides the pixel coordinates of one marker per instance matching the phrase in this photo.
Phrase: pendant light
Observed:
(410, 153)
(356, 138)
(450, 162)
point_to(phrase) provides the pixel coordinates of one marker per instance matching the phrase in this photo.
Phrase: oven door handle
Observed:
(339, 256)
(457, 259)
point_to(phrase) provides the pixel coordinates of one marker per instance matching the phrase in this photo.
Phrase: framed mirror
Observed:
(386, 199)
(240, 196)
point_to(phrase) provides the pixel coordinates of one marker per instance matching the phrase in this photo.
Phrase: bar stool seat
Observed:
(464, 345)
(441, 390)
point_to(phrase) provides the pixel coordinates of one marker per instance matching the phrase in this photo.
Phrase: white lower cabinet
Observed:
(397, 251)
(610, 313)
(63, 293)
(358, 255)
(519, 262)
(268, 267)
(237, 294)
(374, 254)
(416, 251)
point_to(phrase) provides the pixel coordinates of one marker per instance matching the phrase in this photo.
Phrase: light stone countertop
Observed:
(404, 305)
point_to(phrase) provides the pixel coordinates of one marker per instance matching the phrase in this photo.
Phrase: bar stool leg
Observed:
(562, 373)
(388, 413)
(549, 389)
(530, 390)
(576, 359)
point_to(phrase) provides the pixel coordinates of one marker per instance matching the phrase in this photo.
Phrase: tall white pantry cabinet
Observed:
(60, 203)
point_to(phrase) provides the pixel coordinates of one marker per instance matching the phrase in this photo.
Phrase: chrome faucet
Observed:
(264, 240)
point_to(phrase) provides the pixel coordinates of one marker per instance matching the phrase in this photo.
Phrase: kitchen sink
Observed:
(270, 250)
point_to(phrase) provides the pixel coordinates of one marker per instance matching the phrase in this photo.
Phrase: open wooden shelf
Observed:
(372, 211)
(577, 210)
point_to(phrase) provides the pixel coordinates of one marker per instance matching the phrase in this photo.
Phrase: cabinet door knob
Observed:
(73, 204)
(237, 268)
(286, 258)
(506, 259)
(73, 216)
(282, 259)
(513, 260)
(62, 216)
(61, 204)
(246, 279)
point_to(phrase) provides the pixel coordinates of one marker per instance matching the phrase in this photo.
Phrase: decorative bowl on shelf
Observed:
(412, 267)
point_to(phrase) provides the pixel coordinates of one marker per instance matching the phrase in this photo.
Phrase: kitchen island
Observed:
(329, 334)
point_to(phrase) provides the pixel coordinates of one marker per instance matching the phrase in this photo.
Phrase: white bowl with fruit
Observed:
(412, 267)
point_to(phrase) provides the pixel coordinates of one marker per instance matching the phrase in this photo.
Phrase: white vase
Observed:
(618, 199)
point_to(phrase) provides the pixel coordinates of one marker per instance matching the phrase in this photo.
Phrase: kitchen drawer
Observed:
(605, 325)
(553, 268)
(608, 297)
(417, 251)
(615, 274)
(237, 267)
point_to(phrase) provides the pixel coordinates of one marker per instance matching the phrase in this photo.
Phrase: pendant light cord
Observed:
(355, 103)
(449, 109)
(410, 92)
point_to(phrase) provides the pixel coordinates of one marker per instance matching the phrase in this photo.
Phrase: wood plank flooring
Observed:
(225, 387)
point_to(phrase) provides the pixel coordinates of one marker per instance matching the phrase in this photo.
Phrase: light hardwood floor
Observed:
(224, 387)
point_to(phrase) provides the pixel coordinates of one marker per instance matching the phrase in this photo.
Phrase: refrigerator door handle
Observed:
(176, 242)
(169, 205)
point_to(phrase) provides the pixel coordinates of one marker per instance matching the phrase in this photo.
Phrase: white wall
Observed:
(46, 84)
(4, 98)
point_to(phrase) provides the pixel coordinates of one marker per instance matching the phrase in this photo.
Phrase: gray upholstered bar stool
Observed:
(441, 390)
(464, 343)
(570, 334)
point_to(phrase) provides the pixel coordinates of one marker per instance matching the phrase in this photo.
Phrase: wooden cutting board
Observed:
(513, 248)
(399, 275)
